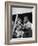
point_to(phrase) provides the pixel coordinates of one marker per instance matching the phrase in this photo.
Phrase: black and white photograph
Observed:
(21, 22)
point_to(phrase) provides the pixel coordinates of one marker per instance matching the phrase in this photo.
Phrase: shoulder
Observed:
(29, 22)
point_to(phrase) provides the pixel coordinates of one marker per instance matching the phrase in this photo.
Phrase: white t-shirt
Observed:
(28, 25)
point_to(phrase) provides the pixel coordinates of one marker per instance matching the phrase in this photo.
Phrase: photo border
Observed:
(7, 24)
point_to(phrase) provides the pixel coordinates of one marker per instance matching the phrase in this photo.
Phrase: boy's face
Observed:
(25, 19)
(19, 19)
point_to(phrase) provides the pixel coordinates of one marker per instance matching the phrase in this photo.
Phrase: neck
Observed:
(26, 21)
